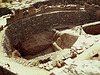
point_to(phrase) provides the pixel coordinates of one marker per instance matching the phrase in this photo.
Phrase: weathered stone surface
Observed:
(37, 43)
(16, 54)
(68, 61)
(17, 32)
(66, 39)
(56, 47)
(83, 43)
(90, 52)
(79, 68)
(58, 64)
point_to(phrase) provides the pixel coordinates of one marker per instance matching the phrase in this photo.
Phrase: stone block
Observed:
(88, 7)
(31, 11)
(68, 61)
(20, 14)
(98, 14)
(16, 15)
(73, 8)
(10, 20)
(66, 40)
(78, 7)
(25, 12)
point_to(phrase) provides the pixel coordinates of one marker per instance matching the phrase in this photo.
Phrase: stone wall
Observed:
(33, 10)
(38, 19)
(22, 29)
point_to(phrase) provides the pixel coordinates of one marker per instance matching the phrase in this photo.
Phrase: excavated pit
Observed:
(33, 35)
(93, 29)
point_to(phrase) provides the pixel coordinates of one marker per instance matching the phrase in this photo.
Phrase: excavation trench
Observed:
(33, 35)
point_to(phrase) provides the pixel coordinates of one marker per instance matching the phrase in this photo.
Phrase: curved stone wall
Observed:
(21, 33)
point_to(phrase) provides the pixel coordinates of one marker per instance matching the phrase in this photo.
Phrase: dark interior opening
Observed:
(93, 29)
(97, 55)
(44, 61)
